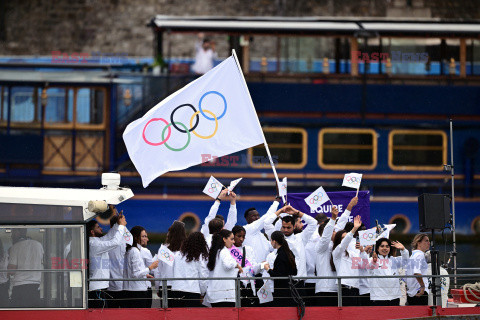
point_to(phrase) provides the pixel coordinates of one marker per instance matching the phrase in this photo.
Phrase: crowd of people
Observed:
(276, 244)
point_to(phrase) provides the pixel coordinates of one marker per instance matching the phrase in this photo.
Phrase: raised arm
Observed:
(268, 225)
(337, 252)
(103, 246)
(312, 225)
(342, 221)
(232, 212)
(212, 213)
(259, 224)
(322, 244)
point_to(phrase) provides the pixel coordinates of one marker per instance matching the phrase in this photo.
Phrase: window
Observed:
(23, 102)
(56, 253)
(59, 108)
(343, 148)
(90, 106)
(417, 150)
(288, 148)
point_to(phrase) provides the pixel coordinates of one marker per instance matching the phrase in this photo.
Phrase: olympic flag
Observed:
(368, 237)
(212, 115)
(213, 188)
(352, 180)
(317, 198)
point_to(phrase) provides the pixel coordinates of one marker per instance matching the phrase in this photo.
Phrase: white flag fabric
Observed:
(386, 232)
(233, 184)
(317, 198)
(127, 237)
(165, 255)
(264, 295)
(212, 115)
(352, 180)
(282, 188)
(213, 188)
(368, 237)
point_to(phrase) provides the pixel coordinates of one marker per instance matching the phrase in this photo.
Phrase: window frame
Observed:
(304, 147)
(415, 167)
(83, 252)
(374, 148)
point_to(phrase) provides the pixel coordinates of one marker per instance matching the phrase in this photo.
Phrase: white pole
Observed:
(264, 140)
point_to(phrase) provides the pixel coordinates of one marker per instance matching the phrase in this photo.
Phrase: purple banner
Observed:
(340, 199)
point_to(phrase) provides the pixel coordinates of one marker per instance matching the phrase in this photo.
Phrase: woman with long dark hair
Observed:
(190, 262)
(283, 266)
(341, 262)
(136, 291)
(221, 293)
(386, 291)
(176, 235)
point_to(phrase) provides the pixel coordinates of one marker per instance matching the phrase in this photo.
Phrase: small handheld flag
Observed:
(352, 180)
(165, 255)
(282, 188)
(213, 188)
(317, 198)
(233, 184)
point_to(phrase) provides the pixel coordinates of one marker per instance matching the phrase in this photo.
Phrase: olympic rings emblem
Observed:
(368, 236)
(213, 188)
(127, 235)
(264, 293)
(316, 198)
(354, 180)
(166, 255)
(181, 127)
(284, 187)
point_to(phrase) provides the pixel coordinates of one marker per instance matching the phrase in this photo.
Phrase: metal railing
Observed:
(238, 297)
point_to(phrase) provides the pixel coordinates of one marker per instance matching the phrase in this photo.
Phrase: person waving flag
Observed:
(212, 115)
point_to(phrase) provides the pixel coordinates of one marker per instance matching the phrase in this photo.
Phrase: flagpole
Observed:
(264, 140)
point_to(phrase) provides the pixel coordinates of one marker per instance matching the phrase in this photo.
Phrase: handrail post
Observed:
(164, 294)
(238, 303)
(339, 289)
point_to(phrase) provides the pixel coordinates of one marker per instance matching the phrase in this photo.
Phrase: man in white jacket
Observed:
(254, 236)
(297, 238)
(99, 262)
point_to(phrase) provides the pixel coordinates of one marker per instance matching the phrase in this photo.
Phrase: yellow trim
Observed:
(472, 225)
(404, 217)
(374, 147)
(280, 165)
(195, 217)
(412, 132)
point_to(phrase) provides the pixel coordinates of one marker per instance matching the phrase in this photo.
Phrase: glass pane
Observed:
(90, 106)
(57, 110)
(348, 138)
(23, 105)
(11, 213)
(347, 156)
(279, 155)
(417, 140)
(418, 158)
(284, 137)
(50, 249)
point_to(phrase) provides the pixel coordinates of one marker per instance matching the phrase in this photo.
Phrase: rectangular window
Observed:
(417, 149)
(23, 102)
(50, 260)
(59, 108)
(343, 148)
(288, 147)
(90, 105)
